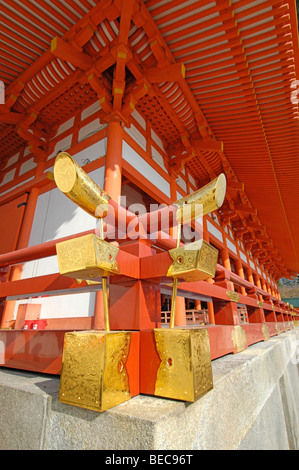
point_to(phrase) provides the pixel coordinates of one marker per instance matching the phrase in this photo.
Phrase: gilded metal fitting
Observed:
(94, 374)
(193, 262)
(201, 202)
(79, 187)
(87, 258)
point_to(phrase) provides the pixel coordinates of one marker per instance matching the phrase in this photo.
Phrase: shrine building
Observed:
(149, 200)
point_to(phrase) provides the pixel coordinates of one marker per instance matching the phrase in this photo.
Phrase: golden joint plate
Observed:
(265, 331)
(87, 258)
(185, 372)
(233, 296)
(239, 338)
(193, 262)
(94, 374)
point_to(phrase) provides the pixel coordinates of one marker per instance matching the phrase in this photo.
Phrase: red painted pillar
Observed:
(112, 186)
(113, 161)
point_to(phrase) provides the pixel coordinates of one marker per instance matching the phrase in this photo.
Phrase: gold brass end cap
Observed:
(220, 190)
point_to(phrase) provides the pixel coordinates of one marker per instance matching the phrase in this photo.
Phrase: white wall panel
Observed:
(9, 176)
(93, 108)
(137, 136)
(145, 169)
(139, 119)
(231, 246)
(27, 166)
(12, 160)
(243, 256)
(182, 183)
(158, 158)
(90, 129)
(65, 126)
(62, 145)
(157, 139)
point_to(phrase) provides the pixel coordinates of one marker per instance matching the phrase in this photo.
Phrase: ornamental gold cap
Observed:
(79, 187)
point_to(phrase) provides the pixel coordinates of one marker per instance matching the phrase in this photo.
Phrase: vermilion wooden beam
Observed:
(55, 284)
(104, 95)
(67, 52)
(132, 99)
(235, 185)
(246, 209)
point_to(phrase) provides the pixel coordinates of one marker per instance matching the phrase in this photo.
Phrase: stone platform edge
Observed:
(254, 405)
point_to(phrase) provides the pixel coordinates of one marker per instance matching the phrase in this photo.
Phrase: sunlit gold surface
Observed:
(185, 372)
(233, 296)
(79, 187)
(201, 202)
(94, 374)
(193, 262)
(239, 338)
(87, 258)
(265, 331)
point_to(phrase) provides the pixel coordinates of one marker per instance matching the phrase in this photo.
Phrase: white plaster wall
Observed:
(65, 126)
(157, 139)
(9, 176)
(231, 246)
(61, 146)
(27, 166)
(139, 119)
(90, 154)
(182, 183)
(90, 129)
(137, 136)
(92, 109)
(158, 158)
